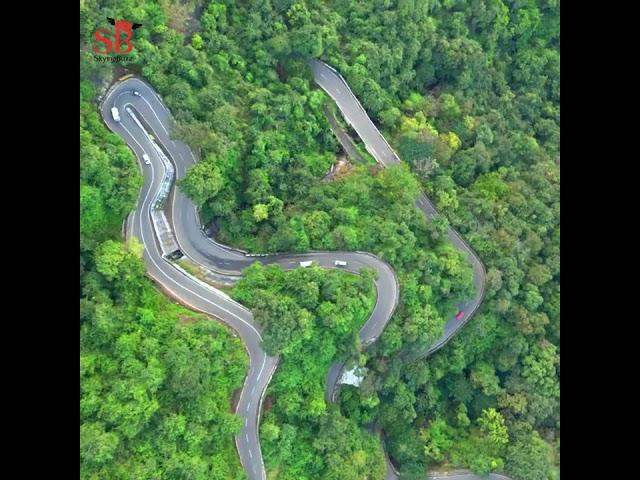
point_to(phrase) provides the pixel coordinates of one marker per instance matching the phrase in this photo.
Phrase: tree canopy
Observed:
(468, 94)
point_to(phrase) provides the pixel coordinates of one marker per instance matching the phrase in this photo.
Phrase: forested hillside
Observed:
(467, 92)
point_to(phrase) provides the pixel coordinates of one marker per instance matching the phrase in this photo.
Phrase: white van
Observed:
(305, 264)
(146, 159)
(340, 263)
(115, 114)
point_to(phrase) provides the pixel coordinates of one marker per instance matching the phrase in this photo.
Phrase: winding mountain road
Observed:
(153, 131)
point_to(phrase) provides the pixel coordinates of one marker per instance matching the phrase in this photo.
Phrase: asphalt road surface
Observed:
(334, 84)
(157, 123)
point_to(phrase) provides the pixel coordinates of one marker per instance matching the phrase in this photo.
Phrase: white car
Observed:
(146, 159)
(136, 93)
(115, 114)
(340, 263)
(305, 264)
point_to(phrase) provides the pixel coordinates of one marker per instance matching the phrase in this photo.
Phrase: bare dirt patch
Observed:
(235, 398)
(339, 170)
(377, 168)
(268, 403)
(187, 319)
(183, 16)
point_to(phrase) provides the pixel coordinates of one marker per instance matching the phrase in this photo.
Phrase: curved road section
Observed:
(148, 128)
(144, 124)
(335, 85)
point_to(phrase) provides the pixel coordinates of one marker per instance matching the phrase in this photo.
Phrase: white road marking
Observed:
(134, 139)
(263, 364)
(156, 115)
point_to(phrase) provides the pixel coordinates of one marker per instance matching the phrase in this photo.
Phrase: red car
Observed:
(459, 315)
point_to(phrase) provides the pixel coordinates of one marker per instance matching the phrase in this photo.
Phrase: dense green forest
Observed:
(311, 317)
(467, 92)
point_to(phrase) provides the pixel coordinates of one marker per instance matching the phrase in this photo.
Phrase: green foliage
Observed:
(437, 441)
(492, 424)
(468, 94)
(488, 74)
(204, 184)
(312, 317)
(154, 394)
(529, 458)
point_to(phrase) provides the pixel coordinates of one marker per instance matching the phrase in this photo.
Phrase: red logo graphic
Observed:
(122, 26)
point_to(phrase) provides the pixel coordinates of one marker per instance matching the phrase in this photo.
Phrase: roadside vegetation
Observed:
(468, 95)
(311, 317)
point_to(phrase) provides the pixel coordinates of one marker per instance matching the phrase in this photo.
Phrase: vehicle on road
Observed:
(136, 93)
(146, 159)
(340, 263)
(115, 114)
(459, 315)
(305, 264)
